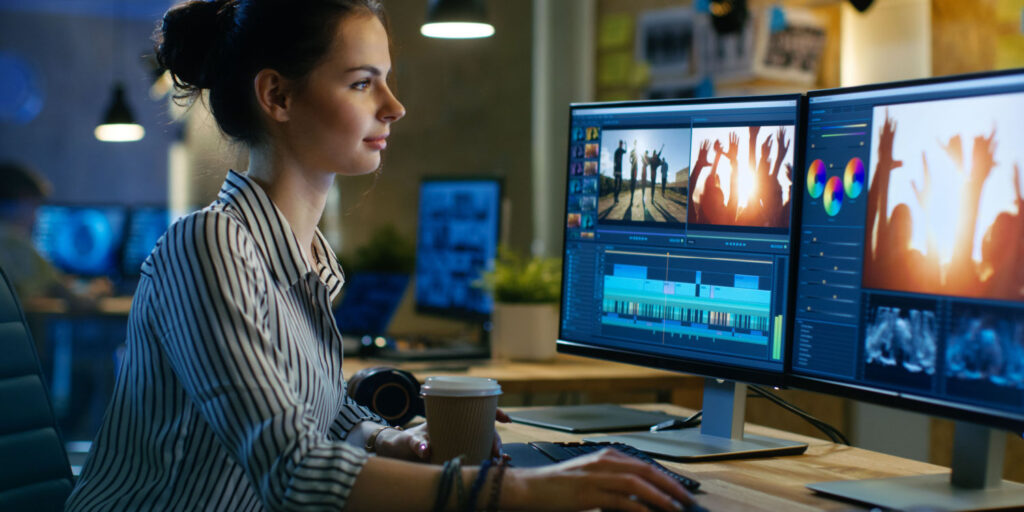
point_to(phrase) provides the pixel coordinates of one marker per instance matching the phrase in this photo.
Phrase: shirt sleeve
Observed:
(217, 340)
(352, 414)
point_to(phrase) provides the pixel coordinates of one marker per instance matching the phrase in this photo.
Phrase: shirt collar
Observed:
(274, 237)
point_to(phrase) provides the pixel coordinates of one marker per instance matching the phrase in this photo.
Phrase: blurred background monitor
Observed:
(81, 240)
(369, 301)
(145, 227)
(910, 284)
(457, 240)
(678, 252)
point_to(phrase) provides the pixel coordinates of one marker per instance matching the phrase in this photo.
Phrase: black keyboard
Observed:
(565, 451)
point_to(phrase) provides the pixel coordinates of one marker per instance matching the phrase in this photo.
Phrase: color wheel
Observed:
(833, 196)
(816, 178)
(853, 179)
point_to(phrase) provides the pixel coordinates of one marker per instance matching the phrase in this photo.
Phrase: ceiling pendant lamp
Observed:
(456, 19)
(119, 124)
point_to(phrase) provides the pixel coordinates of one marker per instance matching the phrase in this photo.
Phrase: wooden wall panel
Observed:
(962, 37)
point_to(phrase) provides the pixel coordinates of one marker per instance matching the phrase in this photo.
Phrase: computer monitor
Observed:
(677, 252)
(457, 240)
(910, 284)
(368, 301)
(146, 224)
(83, 240)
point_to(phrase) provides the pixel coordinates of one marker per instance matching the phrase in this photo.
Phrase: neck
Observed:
(299, 192)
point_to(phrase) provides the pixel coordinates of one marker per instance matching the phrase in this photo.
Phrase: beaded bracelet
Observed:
(481, 477)
(444, 486)
(460, 489)
(492, 503)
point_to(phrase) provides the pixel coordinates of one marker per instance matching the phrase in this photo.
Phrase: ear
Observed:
(272, 94)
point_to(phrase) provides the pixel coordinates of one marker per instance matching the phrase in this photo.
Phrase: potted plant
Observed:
(525, 317)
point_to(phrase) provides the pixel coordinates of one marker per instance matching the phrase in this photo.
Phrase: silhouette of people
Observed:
(890, 260)
(664, 172)
(655, 162)
(710, 204)
(765, 206)
(22, 191)
(643, 181)
(632, 168)
(617, 168)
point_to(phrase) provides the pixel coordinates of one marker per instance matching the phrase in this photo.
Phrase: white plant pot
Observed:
(524, 332)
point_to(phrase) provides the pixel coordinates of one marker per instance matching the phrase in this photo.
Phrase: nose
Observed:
(391, 109)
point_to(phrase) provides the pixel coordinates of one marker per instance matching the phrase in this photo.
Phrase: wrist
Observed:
(515, 490)
(376, 440)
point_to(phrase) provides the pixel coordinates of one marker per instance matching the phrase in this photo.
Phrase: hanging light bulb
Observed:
(119, 124)
(456, 19)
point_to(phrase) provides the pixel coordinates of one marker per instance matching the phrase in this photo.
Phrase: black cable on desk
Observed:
(833, 433)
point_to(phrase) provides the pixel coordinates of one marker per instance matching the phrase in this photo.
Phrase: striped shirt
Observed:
(231, 395)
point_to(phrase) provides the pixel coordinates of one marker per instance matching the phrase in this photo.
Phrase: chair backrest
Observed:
(34, 470)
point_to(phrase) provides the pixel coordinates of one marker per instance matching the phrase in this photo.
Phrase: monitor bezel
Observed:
(906, 401)
(702, 368)
(455, 313)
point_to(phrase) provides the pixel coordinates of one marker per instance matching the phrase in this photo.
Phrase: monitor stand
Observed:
(975, 482)
(720, 435)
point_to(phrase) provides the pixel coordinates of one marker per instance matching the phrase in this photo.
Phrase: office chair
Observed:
(34, 470)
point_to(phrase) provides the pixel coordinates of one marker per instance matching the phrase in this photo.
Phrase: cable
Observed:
(833, 433)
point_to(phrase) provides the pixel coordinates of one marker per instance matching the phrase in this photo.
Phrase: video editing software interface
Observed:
(457, 241)
(677, 235)
(910, 277)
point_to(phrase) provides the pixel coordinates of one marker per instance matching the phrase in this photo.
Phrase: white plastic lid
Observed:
(460, 386)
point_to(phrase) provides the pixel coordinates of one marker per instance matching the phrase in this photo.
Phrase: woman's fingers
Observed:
(502, 416)
(639, 488)
(664, 487)
(420, 445)
(496, 446)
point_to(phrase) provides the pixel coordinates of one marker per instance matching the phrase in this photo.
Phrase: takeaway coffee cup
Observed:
(460, 417)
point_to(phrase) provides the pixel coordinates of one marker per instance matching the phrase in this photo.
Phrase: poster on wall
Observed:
(670, 42)
(789, 45)
(730, 56)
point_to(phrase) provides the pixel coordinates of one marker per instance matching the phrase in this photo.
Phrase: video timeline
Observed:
(693, 302)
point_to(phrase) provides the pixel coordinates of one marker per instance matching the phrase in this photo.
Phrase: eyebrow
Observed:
(370, 69)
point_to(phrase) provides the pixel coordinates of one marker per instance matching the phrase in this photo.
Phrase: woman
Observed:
(231, 396)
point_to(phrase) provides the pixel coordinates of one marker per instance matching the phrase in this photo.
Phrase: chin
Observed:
(360, 168)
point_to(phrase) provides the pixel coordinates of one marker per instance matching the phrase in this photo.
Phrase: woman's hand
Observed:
(606, 479)
(414, 444)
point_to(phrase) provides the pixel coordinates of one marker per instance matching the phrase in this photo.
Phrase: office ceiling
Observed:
(132, 9)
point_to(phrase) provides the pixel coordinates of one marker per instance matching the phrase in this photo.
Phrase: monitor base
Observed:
(901, 493)
(694, 446)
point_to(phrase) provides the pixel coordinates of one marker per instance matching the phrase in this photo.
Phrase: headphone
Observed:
(391, 393)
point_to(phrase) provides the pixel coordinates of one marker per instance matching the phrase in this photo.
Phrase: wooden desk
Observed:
(114, 306)
(564, 374)
(770, 484)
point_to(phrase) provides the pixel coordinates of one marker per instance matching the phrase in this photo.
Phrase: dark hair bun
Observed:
(187, 43)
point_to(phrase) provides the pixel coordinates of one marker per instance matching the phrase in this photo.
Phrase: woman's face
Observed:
(341, 115)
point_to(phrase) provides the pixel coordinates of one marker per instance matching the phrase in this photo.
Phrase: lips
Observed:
(377, 143)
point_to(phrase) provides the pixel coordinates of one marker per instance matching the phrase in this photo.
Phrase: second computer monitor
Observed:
(457, 241)
(911, 284)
